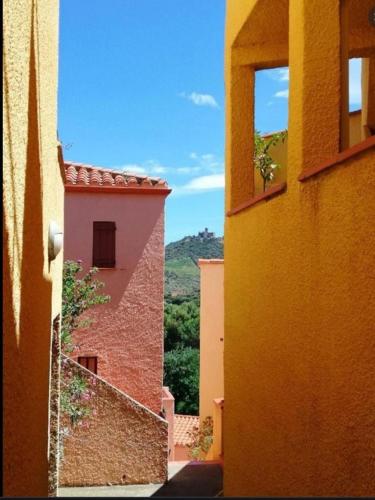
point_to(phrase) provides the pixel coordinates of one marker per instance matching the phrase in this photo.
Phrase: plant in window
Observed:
(262, 159)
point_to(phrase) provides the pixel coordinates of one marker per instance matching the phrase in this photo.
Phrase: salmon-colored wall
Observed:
(33, 193)
(168, 407)
(211, 375)
(181, 453)
(299, 294)
(127, 333)
(121, 442)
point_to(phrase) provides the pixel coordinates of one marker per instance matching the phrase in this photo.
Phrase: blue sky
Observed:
(141, 89)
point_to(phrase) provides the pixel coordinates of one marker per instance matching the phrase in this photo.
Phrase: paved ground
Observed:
(196, 479)
(192, 479)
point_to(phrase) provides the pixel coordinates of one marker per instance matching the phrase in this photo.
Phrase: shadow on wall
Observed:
(26, 362)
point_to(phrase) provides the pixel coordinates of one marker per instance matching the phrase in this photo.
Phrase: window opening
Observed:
(271, 121)
(104, 244)
(89, 362)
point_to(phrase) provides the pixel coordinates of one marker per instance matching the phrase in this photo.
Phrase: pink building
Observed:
(116, 222)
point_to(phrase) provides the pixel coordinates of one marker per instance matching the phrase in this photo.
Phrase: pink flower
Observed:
(94, 412)
(86, 396)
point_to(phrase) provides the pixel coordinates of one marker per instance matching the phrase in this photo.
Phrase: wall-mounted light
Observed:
(55, 240)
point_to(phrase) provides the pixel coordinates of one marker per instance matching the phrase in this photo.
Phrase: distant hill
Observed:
(182, 276)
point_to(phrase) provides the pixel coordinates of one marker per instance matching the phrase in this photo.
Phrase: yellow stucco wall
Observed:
(211, 376)
(32, 197)
(299, 355)
(279, 152)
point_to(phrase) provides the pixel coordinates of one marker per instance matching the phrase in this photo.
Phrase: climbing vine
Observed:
(201, 439)
(79, 295)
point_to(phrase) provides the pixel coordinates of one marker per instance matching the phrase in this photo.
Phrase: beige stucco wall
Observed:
(211, 378)
(122, 442)
(32, 196)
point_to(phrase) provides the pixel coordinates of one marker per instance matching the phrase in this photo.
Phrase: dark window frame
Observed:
(86, 363)
(104, 244)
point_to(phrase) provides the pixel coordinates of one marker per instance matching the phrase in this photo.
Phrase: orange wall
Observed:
(211, 376)
(32, 197)
(299, 302)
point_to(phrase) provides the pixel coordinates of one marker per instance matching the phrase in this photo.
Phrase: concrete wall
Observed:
(122, 442)
(299, 302)
(32, 197)
(211, 371)
(127, 333)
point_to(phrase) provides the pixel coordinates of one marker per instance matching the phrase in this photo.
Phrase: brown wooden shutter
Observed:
(104, 244)
(89, 362)
(92, 364)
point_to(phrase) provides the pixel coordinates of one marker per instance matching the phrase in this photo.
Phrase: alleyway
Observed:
(192, 479)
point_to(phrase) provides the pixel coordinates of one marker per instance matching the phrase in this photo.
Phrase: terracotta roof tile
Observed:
(182, 425)
(88, 175)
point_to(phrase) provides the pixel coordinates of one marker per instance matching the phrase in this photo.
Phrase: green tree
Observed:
(181, 375)
(262, 159)
(181, 325)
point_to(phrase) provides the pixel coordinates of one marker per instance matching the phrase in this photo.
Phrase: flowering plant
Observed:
(79, 294)
(262, 158)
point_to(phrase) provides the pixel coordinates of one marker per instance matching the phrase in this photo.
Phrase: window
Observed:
(271, 123)
(104, 244)
(89, 362)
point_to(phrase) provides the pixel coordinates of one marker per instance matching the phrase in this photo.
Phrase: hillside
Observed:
(181, 263)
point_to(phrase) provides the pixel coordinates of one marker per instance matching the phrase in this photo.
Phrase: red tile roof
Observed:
(182, 425)
(78, 176)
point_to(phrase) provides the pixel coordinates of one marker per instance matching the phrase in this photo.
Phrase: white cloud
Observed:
(200, 99)
(159, 169)
(149, 167)
(283, 74)
(208, 162)
(200, 185)
(282, 93)
(132, 168)
(188, 170)
(213, 181)
(279, 74)
(355, 90)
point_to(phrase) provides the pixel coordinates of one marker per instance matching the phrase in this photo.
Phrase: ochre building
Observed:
(33, 193)
(299, 353)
